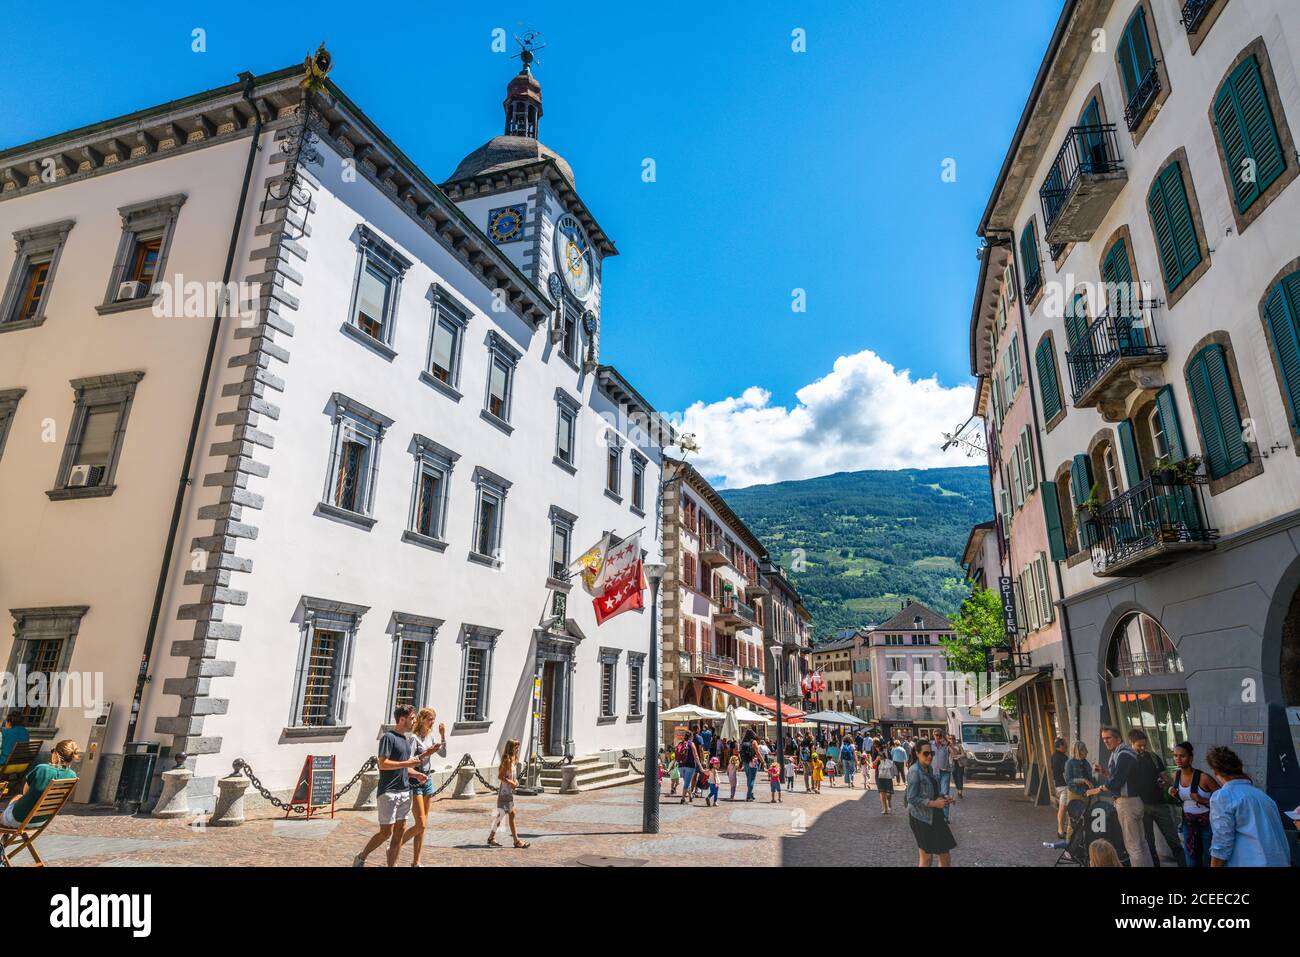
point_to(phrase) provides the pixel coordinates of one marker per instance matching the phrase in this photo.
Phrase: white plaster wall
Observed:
(300, 553)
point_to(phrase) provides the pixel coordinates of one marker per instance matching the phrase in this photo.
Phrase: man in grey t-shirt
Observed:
(396, 770)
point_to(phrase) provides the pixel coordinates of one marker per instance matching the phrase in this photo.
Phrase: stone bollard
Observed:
(175, 798)
(366, 789)
(229, 810)
(624, 762)
(464, 787)
(569, 779)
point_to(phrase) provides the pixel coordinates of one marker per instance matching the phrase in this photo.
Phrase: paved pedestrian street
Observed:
(995, 826)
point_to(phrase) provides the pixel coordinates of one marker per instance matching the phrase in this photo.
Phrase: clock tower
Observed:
(523, 196)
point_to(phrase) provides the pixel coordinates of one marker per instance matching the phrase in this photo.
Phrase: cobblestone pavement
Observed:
(994, 825)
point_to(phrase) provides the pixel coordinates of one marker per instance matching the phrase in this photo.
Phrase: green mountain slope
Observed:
(869, 540)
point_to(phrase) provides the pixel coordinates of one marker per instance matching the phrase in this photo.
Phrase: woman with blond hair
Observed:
(1102, 853)
(62, 757)
(423, 747)
(506, 794)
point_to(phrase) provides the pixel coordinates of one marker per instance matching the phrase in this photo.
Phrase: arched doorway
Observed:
(1148, 688)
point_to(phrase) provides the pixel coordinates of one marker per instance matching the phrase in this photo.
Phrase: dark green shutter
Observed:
(1117, 274)
(1135, 57)
(1081, 478)
(1282, 313)
(1167, 410)
(1128, 451)
(1047, 381)
(1055, 528)
(1175, 230)
(1216, 412)
(1076, 322)
(1247, 131)
(1029, 253)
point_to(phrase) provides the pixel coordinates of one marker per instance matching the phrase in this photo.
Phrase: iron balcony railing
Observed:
(1150, 663)
(1194, 12)
(1033, 283)
(731, 605)
(1148, 517)
(1087, 151)
(1142, 97)
(703, 663)
(1129, 334)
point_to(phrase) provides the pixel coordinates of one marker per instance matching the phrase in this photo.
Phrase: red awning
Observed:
(787, 713)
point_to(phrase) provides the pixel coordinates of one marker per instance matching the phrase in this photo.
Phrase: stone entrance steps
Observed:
(592, 773)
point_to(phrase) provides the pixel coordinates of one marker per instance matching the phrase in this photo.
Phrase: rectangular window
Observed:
(1177, 239)
(476, 673)
(328, 638)
(354, 461)
(412, 659)
(609, 682)
(428, 519)
(566, 430)
(27, 291)
(43, 644)
(635, 675)
(490, 504)
(502, 359)
(141, 261)
(569, 331)
(638, 483)
(373, 292)
(39, 656)
(613, 465)
(446, 344)
(376, 290)
(406, 681)
(1248, 137)
(100, 410)
(562, 523)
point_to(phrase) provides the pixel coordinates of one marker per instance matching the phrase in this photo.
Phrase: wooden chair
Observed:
(19, 762)
(24, 836)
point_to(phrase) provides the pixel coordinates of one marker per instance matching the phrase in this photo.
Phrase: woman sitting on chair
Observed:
(62, 757)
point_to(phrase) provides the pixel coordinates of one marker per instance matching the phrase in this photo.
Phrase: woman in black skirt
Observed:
(924, 809)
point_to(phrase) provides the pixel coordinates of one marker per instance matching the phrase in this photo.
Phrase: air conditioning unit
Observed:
(131, 290)
(85, 476)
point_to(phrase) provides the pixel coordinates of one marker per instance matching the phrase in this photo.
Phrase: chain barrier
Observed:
(370, 765)
(631, 760)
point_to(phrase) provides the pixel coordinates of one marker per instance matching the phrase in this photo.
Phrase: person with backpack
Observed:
(688, 759)
(749, 762)
(1193, 787)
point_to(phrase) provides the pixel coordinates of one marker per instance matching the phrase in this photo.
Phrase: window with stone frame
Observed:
(427, 522)
(562, 524)
(327, 646)
(489, 509)
(413, 638)
(353, 470)
(479, 645)
(9, 399)
(43, 643)
(27, 293)
(613, 464)
(142, 251)
(570, 338)
(638, 482)
(609, 683)
(101, 407)
(376, 287)
(635, 678)
(566, 430)
(502, 361)
(446, 343)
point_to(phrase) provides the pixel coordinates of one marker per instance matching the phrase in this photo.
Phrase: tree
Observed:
(980, 629)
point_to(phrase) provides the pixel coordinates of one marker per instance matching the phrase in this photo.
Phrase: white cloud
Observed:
(864, 414)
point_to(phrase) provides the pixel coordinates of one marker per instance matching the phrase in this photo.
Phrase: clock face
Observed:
(506, 225)
(573, 256)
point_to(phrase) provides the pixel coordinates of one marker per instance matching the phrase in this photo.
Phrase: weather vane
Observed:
(528, 46)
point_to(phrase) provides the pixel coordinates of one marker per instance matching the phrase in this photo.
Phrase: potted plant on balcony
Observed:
(1091, 520)
(1168, 473)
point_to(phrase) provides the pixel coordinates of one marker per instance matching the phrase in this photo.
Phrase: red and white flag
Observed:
(623, 579)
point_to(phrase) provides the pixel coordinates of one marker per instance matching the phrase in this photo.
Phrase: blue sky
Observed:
(775, 170)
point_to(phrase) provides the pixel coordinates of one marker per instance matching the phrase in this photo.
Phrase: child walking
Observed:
(789, 772)
(831, 770)
(506, 795)
(715, 773)
(733, 768)
(885, 772)
(818, 772)
(774, 778)
(674, 774)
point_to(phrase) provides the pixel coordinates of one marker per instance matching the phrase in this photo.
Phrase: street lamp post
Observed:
(780, 738)
(650, 810)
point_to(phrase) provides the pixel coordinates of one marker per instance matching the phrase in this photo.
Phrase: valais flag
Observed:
(623, 579)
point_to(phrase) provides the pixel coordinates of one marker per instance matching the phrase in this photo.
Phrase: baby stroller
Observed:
(1091, 819)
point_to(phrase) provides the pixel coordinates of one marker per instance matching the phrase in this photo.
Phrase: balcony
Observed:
(734, 613)
(1194, 12)
(750, 677)
(702, 663)
(1082, 184)
(1102, 362)
(1151, 525)
(711, 550)
(755, 588)
(1143, 97)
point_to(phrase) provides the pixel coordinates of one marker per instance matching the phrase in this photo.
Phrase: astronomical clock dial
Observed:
(505, 225)
(555, 286)
(589, 323)
(573, 256)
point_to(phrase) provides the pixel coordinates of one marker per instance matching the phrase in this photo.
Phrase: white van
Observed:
(986, 740)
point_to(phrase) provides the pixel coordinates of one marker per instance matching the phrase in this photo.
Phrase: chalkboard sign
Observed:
(315, 787)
